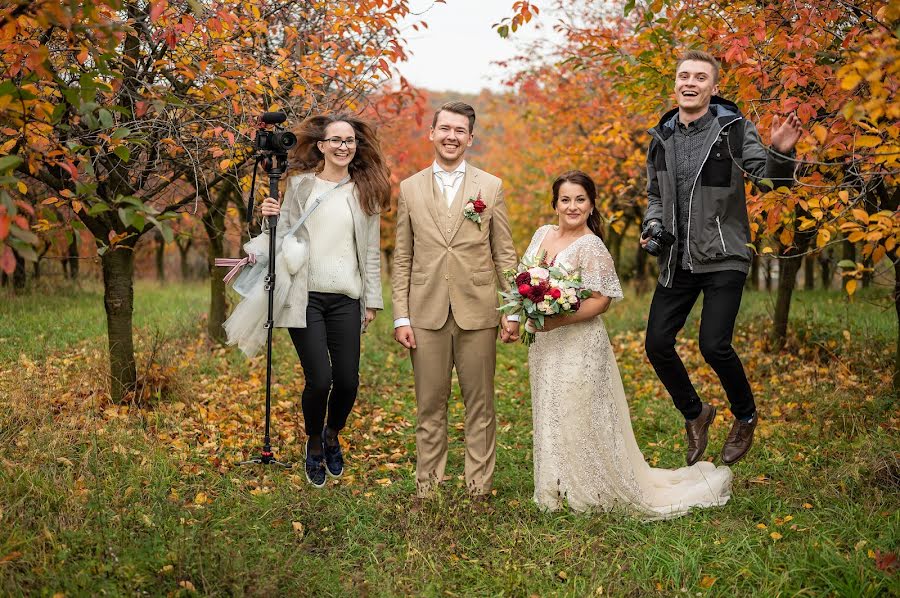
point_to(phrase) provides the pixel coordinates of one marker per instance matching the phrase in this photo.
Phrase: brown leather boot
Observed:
(698, 432)
(739, 440)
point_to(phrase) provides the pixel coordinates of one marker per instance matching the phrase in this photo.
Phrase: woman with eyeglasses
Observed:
(336, 290)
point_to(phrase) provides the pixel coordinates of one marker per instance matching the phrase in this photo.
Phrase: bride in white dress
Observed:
(585, 452)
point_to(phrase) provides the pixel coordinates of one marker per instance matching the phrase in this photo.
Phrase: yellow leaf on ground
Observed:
(707, 582)
(775, 536)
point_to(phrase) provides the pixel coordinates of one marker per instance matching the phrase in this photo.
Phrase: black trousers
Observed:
(668, 312)
(329, 352)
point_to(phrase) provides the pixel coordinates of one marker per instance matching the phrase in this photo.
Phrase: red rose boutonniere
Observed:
(474, 208)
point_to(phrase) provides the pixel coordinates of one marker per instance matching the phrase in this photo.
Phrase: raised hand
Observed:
(785, 134)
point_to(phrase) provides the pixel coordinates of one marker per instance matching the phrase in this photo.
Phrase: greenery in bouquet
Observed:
(539, 290)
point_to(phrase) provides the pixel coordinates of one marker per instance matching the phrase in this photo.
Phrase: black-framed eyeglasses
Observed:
(337, 142)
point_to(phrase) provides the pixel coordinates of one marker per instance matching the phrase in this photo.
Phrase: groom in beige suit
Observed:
(446, 272)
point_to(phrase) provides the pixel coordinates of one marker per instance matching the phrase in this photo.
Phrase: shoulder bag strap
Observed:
(315, 205)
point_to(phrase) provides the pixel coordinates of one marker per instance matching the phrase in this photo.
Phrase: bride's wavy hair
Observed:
(577, 177)
(368, 169)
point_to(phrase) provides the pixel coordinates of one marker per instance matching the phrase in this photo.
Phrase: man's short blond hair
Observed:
(700, 56)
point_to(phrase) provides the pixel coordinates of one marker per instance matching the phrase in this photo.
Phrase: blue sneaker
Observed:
(315, 468)
(334, 459)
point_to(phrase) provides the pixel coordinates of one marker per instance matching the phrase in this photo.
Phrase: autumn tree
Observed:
(115, 106)
(832, 62)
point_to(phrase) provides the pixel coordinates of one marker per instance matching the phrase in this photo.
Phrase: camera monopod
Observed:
(271, 151)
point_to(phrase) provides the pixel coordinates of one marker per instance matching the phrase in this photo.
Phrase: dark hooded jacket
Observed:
(718, 232)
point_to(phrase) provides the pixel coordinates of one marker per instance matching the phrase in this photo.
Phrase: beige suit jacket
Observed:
(444, 261)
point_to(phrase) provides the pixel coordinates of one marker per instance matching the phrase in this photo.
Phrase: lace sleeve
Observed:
(597, 269)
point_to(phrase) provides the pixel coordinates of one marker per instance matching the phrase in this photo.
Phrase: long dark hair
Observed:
(368, 170)
(577, 177)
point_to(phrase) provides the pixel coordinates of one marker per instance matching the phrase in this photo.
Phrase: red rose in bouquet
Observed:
(537, 292)
(555, 293)
(524, 289)
(523, 278)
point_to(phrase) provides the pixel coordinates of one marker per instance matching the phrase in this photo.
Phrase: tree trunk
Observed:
(825, 266)
(767, 274)
(45, 247)
(897, 309)
(118, 298)
(246, 230)
(752, 281)
(787, 280)
(217, 306)
(72, 260)
(643, 280)
(183, 250)
(809, 272)
(614, 244)
(214, 224)
(160, 258)
(18, 277)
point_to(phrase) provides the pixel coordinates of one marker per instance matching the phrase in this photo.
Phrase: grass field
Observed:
(146, 497)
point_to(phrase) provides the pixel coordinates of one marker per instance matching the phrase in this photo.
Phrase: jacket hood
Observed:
(720, 107)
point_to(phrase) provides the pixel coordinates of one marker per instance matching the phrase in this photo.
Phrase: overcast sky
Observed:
(457, 50)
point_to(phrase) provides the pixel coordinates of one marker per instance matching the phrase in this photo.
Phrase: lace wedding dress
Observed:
(585, 453)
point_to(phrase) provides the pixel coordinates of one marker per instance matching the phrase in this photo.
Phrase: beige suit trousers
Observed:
(474, 353)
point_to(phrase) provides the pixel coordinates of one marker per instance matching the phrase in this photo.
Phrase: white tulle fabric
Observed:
(245, 327)
(585, 452)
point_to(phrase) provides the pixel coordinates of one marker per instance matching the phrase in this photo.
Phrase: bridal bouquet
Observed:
(539, 291)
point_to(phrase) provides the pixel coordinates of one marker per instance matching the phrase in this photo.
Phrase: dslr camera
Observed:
(277, 141)
(658, 238)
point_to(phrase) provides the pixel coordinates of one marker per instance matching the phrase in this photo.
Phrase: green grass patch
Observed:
(124, 499)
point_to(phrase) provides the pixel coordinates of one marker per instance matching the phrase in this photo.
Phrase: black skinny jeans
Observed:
(668, 312)
(329, 352)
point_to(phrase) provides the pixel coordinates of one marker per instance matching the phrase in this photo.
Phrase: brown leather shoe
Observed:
(739, 440)
(698, 433)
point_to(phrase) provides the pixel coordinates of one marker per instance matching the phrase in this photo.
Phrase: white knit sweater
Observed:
(333, 265)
